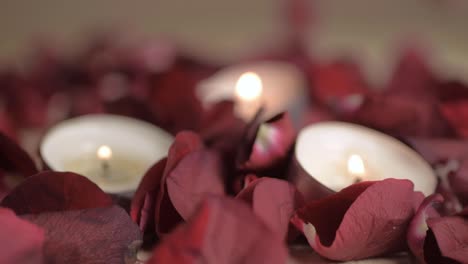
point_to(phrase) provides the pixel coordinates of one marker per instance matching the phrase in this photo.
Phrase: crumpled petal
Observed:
(274, 201)
(95, 235)
(271, 143)
(55, 191)
(222, 231)
(22, 242)
(364, 220)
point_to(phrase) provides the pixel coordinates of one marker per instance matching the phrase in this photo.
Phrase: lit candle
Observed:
(112, 151)
(330, 156)
(275, 86)
(248, 91)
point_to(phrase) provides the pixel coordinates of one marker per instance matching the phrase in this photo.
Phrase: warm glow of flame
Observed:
(104, 152)
(249, 86)
(356, 166)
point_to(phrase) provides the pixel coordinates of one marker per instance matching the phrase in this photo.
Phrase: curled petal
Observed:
(364, 220)
(418, 226)
(55, 191)
(274, 201)
(143, 202)
(223, 230)
(22, 242)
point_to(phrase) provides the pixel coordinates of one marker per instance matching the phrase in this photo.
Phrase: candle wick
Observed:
(105, 168)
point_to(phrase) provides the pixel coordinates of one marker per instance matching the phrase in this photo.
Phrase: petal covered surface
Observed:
(222, 231)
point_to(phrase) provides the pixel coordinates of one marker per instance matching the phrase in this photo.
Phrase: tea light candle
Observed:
(275, 86)
(330, 156)
(112, 151)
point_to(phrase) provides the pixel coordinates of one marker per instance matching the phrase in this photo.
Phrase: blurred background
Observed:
(370, 31)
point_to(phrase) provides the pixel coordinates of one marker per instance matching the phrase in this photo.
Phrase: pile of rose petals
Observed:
(222, 193)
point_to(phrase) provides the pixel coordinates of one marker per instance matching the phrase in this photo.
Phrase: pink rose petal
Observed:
(364, 220)
(22, 242)
(55, 191)
(274, 201)
(222, 231)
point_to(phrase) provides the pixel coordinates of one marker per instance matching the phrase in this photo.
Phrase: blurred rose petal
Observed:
(364, 220)
(22, 242)
(14, 159)
(55, 191)
(222, 231)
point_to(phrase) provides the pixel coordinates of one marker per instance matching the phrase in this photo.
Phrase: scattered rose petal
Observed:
(222, 231)
(97, 235)
(197, 175)
(446, 240)
(55, 191)
(364, 220)
(334, 81)
(272, 142)
(22, 242)
(274, 201)
(418, 226)
(144, 199)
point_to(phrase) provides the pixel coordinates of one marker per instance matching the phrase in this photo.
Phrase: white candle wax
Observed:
(282, 89)
(112, 151)
(339, 154)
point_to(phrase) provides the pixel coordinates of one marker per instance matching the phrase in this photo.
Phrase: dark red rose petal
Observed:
(98, 235)
(413, 77)
(222, 231)
(144, 199)
(220, 128)
(364, 220)
(337, 80)
(15, 160)
(274, 201)
(418, 226)
(197, 175)
(55, 191)
(22, 242)
(272, 143)
(403, 116)
(456, 113)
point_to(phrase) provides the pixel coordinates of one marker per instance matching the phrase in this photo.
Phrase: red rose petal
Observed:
(274, 201)
(22, 242)
(403, 116)
(185, 142)
(55, 191)
(413, 76)
(143, 202)
(98, 235)
(446, 240)
(272, 143)
(197, 175)
(456, 113)
(418, 226)
(222, 231)
(364, 220)
(337, 80)
(14, 159)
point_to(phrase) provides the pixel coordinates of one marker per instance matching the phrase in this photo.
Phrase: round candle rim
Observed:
(95, 118)
(360, 129)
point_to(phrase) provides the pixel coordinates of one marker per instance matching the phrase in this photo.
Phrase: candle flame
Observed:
(249, 86)
(356, 166)
(104, 152)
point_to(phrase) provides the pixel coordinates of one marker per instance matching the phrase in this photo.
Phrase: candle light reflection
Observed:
(249, 86)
